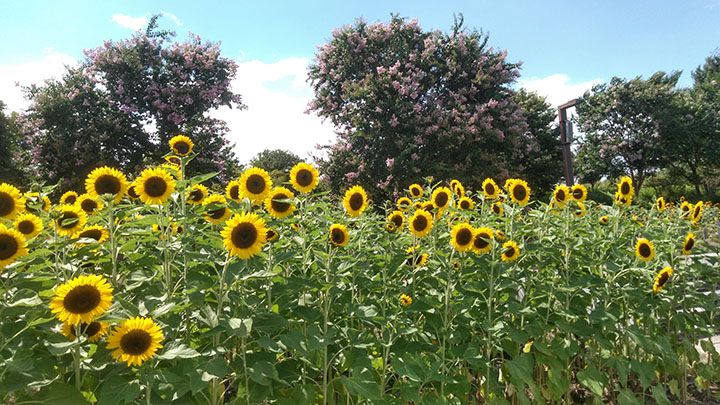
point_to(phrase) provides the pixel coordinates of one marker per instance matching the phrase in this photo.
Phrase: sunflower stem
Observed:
(113, 243)
(76, 359)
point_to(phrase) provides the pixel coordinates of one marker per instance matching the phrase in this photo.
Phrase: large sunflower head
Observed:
(644, 249)
(276, 205)
(355, 200)
(181, 145)
(689, 243)
(196, 194)
(490, 189)
(69, 197)
(90, 205)
(28, 225)
(244, 235)
(106, 180)
(441, 197)
(481, 240)
(135, 340)
(416, 190)
(397, 219)
(461, 237)
(82, 299)
(217, 215)
(12, 246)
(579, 192)
(404, 204)
(625, 187)
(70, 219)
(93, 330)
(420, 223)
(660, 204)
(11, 201)
(662, 278)
(96, 232)
(255, 184)
(155, 185)
(511, 251)
(561, 195)
(519, 191)
(339, 235)
(304, 177)
(497, 208)
(233, 191)
(466, 203)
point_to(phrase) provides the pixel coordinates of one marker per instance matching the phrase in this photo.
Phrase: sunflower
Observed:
(697, 212)
(418, 205)
(420, 223)
(99, 233)
(481, 240)
(578, 193)
(11, 201)
(173, 169)
(244, 234)
(660, 204)
(132, 192)
(625, 188)
(416, 191)
(623, 200)
(519, 191)
(155, 185)
(404, 204)
(135, 340)
(69, 197)
(466, 203)
(689, 243)
(181, 145)
(82, 299)
(458, 189)
(304, 177)
(441, 197)
(12, 246)
(70, 219)
(232, 191)
(217, 215)
(34, 199)
(560, 195)
(662, 278)
(196, 194)
(405, 300)
(255, 184)
(461, 236)
(416, 259)
(580, 211)
(28, 225)
(644, 249)
(339, 235)
(89, 204)
(390, 227)
(685, 208)
(355, 201)
(497, 208)
(175, 160)
(511, 251)
(271, 235)
(490, 189)
(397, 219)
(604, 219)
(106, 180)
(275, 204)
(94, 330)
(500, 234)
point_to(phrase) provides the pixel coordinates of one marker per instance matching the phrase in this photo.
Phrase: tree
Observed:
(124, 103)
(277, 162)
(408, 104)
(11, 149)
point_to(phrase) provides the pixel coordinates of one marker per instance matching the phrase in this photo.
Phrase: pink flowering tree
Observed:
(408, 103)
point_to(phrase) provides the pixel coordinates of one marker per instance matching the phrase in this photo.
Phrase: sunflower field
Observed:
(164, 289)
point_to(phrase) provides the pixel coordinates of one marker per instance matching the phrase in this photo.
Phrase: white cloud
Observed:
(557, 88)
(52, 65)
(133, 23)
(174, 18)
(277, 96)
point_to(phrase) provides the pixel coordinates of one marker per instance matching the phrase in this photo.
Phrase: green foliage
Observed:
(277, 162)
(11, 149)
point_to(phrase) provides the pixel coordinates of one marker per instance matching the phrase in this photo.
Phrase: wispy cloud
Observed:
(133, 23)
(557, 88)
(174, 18)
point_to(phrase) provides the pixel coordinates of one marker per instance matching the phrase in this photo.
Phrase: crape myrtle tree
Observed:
(12, 169)
(409, 104)
(126, 100)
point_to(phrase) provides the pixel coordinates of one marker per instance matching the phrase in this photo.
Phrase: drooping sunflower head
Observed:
(271, 235)
(12, 246)
(175, 160)
(155, 185)
(416, 190)
(70, 219)
(135, 340)
(244, 235)
(106, 180)
(461, 237)
(689, 243)
(397, 219)
(29, 225)
(276, 204)
(497, 208)
(93, 330)
(697, 211)
(644, 249)
(404, 204)
(196, 194)
(561, 195)
(355, 200)
(511, 251)
(490, 189)
(69, 197)
(304, 177)
(420, 223)
(405, 300)
(604, 219)
(96, 232)
(12, 201)
(578, 192)
(181, 145)
(255, 184)
(90, 205)
(660, 204)
(662, 278)
(339, 235)
(482, 238)
(441, 197)
(233, 191)
(217, 211)
(132, 191)
(625, 188)
(82, 299)
(466, 203)
(519, 191)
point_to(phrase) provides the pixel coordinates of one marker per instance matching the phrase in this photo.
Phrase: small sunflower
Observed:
(255, 184)
(181, 145)
(685, 208)
(644, 249)
(69, 197)
(466, 203)
(420, 223)
(12, 246)
(355, 201)
(390, 227)
(173, 169)
(604, 219)
(220, 214)
(275, 204)
(90, 205)
(233, 191)
(397, 219)
(481, 240)
(28, 225)
(416, 259)
(580, 210)
(490, 189)
(244, 234)
(339, 235)
(155, 186)
(11, 201)
(697, 211)
(196, 194)
(82, 299)
(561, 195)
(578, 192)
(497, 208)
(97, 232)
(625, 188)
(461, 237)
(304, 177)
(33, 201)
(404, 204)
(70, 219)
(623, 200)
(135, 340)
(519, 192)
(458, 189)
(689, 243)
(405, 300)
(106, 180)
(132, 192)
(271, 235)
(511, 251)
(94, 330)
(662, 278)
(500, 235)
(175, 160)
(660, 204)
(416, 191)
(418, 205)
(441, 197)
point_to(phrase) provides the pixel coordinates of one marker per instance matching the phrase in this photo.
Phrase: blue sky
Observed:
(565, 46)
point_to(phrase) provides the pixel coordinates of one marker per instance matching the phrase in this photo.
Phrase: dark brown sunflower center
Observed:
(26, 227)
(560, 195)
(132, 192)
(496, 209)
(489, 189)
(66, 221)
(174, 160)
(519, 192)
(441, 199)
(88, 205)
(136, 342)
(182, 147)
(89, 330)
(577, 193)
(8, 246)
(689, 244)
(420, 223)
(235, 192)
(663, 278)
(278, 205)
(510, 252)
(218, 213)
(337, 236)
(155, 186)
(696, 213)
(91, 233)
(397, 220)
(270, 234)
(255, 184)
(464, 204)
(480, 241)
(356, 201)
(644, 250)
(244, 235)
(7, 204)
(463, 237)
(82, 299)
(625, 188)
(196, 195)
(304, 178)
(70, 199)
(107, 184)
